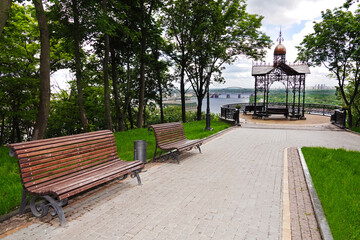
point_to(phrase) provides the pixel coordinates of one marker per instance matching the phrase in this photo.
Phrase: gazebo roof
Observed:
(293, 69)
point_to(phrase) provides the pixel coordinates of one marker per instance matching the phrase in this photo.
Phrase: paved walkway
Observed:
(230, 191)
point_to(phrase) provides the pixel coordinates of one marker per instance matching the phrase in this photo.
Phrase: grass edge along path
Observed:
(10, 183)
(336, 177)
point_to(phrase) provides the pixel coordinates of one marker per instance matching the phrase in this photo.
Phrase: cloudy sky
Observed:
(296, 19)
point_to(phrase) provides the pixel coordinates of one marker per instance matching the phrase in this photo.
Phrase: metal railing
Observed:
(339, 118)
(228, 110)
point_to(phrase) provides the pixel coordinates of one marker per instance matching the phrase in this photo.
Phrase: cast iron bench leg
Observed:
(155, 153)
(24, 201)
(136, 174)
(198, 147)
(175, 155)
(40, 209)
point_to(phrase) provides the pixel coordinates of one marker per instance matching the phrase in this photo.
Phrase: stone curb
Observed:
(319, 213)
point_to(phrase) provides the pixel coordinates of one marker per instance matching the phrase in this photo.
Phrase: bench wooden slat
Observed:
(61, 150)
(42, 159)
(76, 191)
(67, 159)
(46, 176)
(80, 178)
(48, 141)
(57, 146)
(84, 180)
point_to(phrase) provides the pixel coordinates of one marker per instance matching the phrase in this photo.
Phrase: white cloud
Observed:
(285, 12)
(296, 20)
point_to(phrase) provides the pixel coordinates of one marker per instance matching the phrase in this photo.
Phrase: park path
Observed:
(230, 191)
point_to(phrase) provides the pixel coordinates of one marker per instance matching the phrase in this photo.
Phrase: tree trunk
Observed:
(161, 103)
(78, 67)
(142, 67)
(350, 118)
(358, 114)
(127, 93)
(44, 105)
(182, 86)
(2, 129)
(115, 88)
(106, 76)
(131, 120)
(5, 6)
(159, 79)
(199, 107)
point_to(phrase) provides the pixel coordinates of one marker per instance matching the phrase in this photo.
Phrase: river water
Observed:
(216, 103)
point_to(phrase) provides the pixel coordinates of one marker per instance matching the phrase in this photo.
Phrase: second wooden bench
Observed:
(171, 137)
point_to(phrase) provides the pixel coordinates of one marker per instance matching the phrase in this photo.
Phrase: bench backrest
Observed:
(166, 133)
(46, 160)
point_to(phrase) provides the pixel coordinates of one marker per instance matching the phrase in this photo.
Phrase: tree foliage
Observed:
(19, 74)
(335, 44)
(120, 57)
(213, 33)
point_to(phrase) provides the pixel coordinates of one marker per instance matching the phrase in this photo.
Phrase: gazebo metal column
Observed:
(287, 92)
(255, 93)
(294, 93)
(303, 107)
(299, 96)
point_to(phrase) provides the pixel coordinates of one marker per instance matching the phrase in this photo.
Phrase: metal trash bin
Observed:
(140, 150)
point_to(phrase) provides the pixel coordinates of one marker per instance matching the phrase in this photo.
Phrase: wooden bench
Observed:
(57, 168)
(252, 109)
(283, 111)
(171, 137)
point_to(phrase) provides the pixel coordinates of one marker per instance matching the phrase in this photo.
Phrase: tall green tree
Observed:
(335, 45)
(147, 11)
(44, 104)
(104, 4)
(19, 78)
(178, 20)
(77, 37)
(219, 31)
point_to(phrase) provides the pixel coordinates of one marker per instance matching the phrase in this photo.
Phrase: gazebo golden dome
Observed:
(280, 49)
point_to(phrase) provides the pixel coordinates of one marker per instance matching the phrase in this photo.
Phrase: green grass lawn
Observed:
(336, 177)
(356, 129)
(10, 183)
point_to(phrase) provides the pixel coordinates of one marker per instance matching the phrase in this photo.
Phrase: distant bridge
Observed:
(228, 95)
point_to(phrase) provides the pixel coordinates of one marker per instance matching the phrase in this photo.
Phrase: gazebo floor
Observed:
(311, 119)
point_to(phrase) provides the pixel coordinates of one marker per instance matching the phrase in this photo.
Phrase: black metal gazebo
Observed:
(292, 76)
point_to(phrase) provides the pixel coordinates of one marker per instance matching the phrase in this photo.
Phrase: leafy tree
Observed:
(219, 31)
(178, 19)
(71, 21)
(147, 10)
(106, 70)
(335, 44)
(19, 74)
